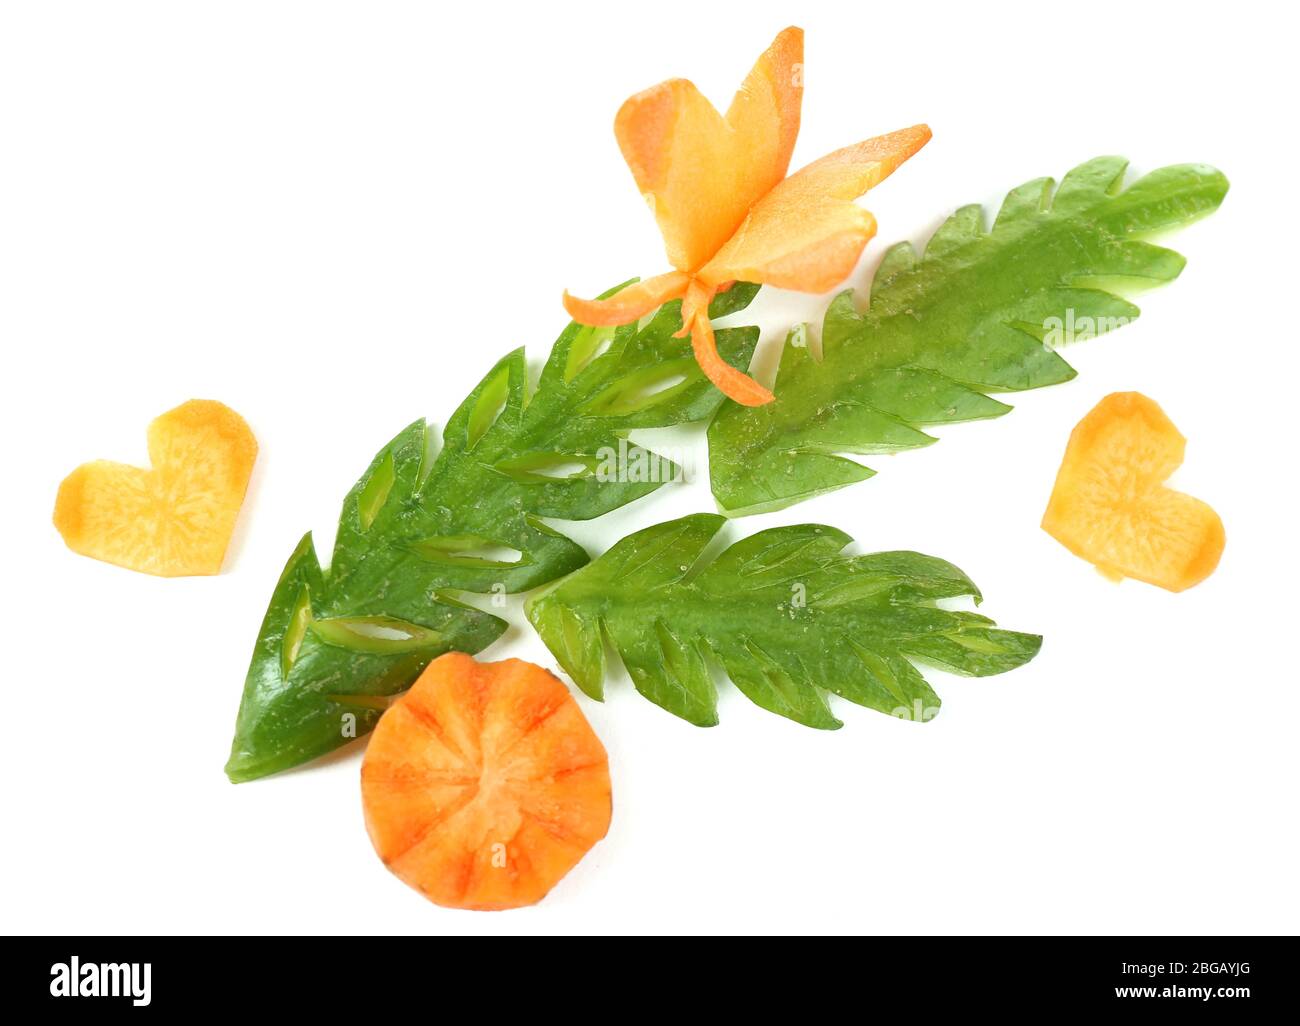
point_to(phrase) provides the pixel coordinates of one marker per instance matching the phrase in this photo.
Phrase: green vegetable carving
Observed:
(968, 318)
(336, 642)
(786, 615)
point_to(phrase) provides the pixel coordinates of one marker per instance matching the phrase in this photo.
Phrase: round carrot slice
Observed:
(484, 784)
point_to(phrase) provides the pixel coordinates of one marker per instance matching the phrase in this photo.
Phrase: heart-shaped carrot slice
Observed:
(1110, 505)
(174, 519)
(484, 784)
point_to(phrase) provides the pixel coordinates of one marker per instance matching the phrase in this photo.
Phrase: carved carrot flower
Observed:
(727, 212)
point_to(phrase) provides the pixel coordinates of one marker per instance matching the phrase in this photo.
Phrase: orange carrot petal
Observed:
(732, 383)
(765, 113)
(629, 304)
(702, 171)
(807, 234)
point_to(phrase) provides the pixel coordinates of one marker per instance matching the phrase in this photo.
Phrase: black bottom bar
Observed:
(1234, 979)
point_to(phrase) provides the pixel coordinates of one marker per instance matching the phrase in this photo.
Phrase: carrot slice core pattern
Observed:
(1110, 504)
(484, 784)
(174, 519)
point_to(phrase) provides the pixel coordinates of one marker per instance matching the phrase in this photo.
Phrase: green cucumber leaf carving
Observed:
(785, 613)
(977, 313)
(420, 523)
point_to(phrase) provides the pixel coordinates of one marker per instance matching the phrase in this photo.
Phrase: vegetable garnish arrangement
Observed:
(785, 613)
(1110, 505)
(974, 314)
(421, 521)
(176, 518)
(484, 784)
(718, 188)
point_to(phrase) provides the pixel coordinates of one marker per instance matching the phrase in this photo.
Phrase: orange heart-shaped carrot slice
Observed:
(1110, 504)
(176, 518)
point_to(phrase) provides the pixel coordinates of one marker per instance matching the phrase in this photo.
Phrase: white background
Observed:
(335, 217)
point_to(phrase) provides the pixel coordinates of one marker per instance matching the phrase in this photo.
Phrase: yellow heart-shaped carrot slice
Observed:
(176, 518)
(1110, 504)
